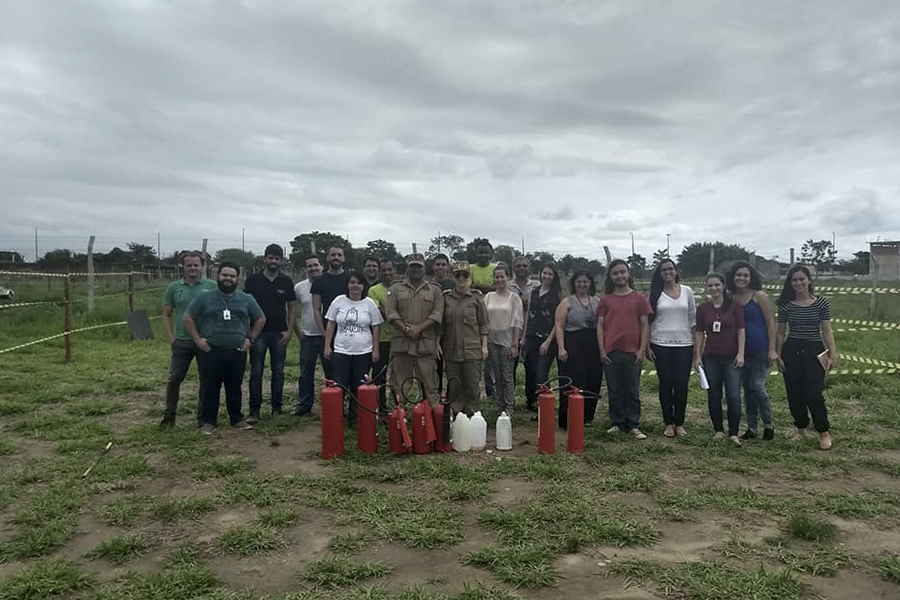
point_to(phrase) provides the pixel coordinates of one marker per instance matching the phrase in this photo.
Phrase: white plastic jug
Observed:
(461, 441)
(504, 432)
(477, 431)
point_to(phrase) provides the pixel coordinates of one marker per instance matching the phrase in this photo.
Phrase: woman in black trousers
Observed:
(576, 336)
(803, 359)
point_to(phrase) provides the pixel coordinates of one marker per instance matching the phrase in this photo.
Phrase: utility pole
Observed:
(631, 233)
(668, 253)
(158, 247)
(523, 245)
(36, 256)
(792, 257)
(439, 242)
(243, 229)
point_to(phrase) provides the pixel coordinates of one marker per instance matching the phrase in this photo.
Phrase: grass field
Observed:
(246, 515)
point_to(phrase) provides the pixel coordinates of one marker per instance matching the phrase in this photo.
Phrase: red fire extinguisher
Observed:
(546, 420)
(576, 421)
(423, 434)
(442, 416)
(398, 434)
(332, 403)
(367, 402)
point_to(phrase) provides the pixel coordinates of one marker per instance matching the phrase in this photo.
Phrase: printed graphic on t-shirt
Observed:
(350, 324)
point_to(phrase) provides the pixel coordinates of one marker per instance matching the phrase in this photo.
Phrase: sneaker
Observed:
(167, 423)
(253, 417)
(735, 440)
(638, 434)
(824, 441)
(749, 435)
(679, 431)
(613, 429)
(300, 412)
(242, 425)
(719, 436)
(769, 433)
(207, 429)
(669, 431)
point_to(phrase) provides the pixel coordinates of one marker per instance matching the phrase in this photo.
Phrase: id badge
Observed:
(717, 326)
(226, 315)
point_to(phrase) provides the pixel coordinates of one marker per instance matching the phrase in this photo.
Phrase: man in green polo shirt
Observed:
(177, 298)
(223, 324)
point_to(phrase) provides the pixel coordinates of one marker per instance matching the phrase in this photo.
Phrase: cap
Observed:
(415, 258)
(460, 266)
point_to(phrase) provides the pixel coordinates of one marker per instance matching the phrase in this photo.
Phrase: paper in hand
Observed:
(704, 382)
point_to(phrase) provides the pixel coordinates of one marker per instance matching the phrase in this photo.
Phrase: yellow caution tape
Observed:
(864, 323)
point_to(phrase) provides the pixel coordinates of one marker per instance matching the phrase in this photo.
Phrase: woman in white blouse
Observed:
(504, 309)
(671, 342)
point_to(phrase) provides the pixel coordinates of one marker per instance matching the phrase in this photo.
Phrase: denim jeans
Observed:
(755, 372)
(217, 367)
(183, 352)
(623, 380)
(312, 347)
(720, 370)
(267, 341)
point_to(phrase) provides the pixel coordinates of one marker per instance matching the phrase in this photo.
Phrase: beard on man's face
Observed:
(226, 287)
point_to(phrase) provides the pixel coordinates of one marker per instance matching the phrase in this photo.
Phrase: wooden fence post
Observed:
(67, 316)
(90, 276)
(131, 292)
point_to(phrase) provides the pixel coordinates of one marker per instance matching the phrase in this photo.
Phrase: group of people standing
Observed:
(474, 321)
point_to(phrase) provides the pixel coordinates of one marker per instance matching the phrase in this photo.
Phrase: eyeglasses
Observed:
(463, 274)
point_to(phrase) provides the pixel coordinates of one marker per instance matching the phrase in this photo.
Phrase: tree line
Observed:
(693, 260)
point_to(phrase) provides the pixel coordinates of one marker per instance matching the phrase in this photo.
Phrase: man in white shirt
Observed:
(312, 339)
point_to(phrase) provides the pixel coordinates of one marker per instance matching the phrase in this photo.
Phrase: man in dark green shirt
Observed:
(179, 295)
(218, 322)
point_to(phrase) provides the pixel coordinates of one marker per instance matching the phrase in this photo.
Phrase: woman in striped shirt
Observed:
(808, 321)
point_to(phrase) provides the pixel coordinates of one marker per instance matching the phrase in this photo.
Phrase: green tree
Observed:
(506, 254)
(821, 254)
(659, 256)
(859, 265)
(301, 247)
(58, 259)
(142, 254)
(539, 259)
(694, 258)
(637, 264)
(383, 249)
(449, 244)
(243, 258)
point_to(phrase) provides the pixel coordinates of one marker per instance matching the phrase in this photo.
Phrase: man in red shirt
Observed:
(622, 332)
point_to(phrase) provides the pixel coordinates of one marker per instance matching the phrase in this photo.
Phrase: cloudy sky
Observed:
(568, 122)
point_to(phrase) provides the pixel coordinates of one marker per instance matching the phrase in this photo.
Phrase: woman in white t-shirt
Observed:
(353, 322)
(504, 309)
(671, 342)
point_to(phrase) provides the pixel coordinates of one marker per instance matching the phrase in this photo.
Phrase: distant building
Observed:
(884, 260)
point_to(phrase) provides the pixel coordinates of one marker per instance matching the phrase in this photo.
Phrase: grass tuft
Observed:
(889, 567)
(278, 517)
(120, 549)
(94, 408)
(43, 579)
(338, 572)
(526, 566)
(187, 556)
(349, 543)
(170, 509)
(171, 584)
(249, 540)
(712, 580)
(811, 528)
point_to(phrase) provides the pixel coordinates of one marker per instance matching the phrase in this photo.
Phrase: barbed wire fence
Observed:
(68, 301)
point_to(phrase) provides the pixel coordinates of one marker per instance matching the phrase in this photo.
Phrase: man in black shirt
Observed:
(325, 289)
(274, 292)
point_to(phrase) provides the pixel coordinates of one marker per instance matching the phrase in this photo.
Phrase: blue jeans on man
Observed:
(753, 376)
(268, 341)
(312, 347)
(720, 370)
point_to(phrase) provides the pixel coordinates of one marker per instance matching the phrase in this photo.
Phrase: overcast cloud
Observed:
(568, 122)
